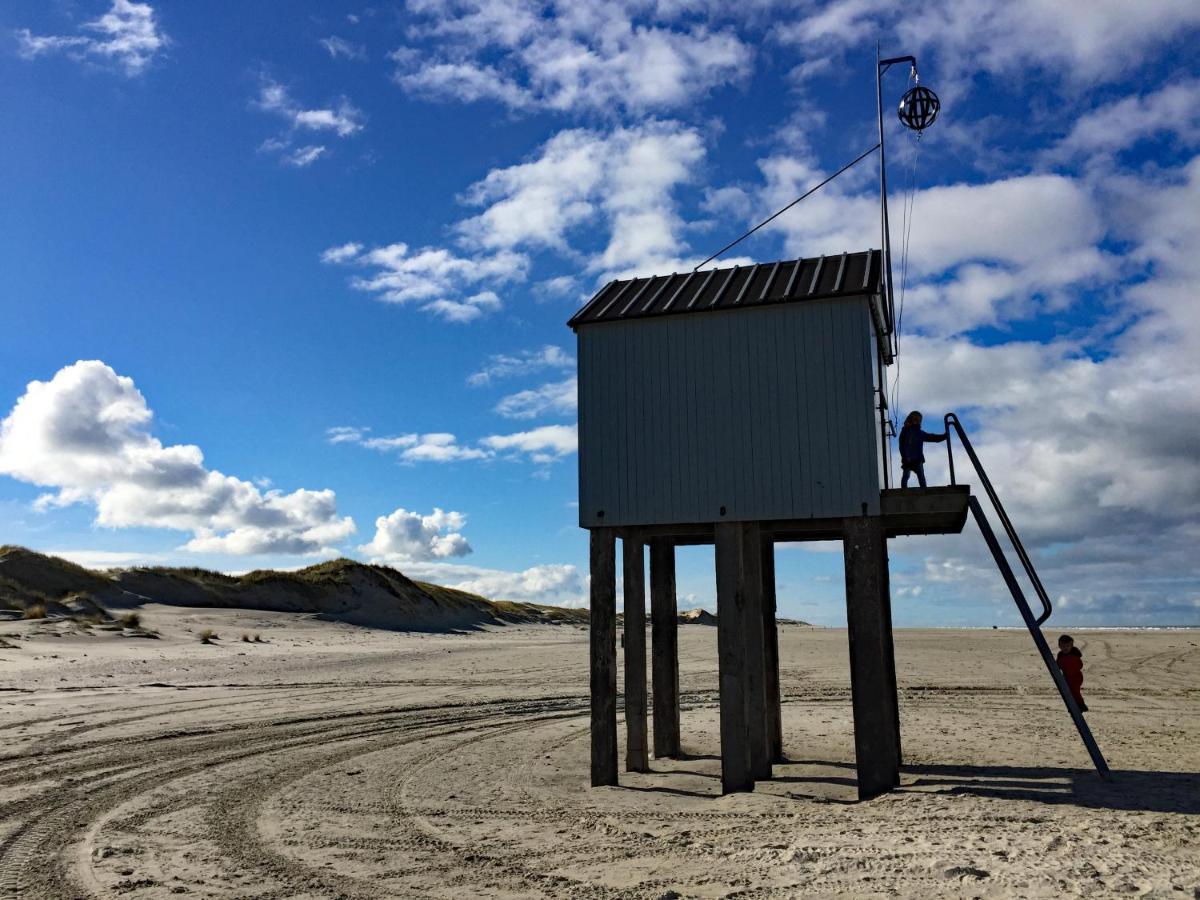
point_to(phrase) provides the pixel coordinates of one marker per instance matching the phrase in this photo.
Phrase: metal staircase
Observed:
(1032, 623)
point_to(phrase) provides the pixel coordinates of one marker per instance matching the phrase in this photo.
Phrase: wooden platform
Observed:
(932, 510)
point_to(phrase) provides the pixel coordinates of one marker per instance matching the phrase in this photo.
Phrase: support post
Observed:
(731, 618)
(603, 640)
(664, 619)
(771, 654)
(755, 654)
(871, 682)
(889, 644)
(637, 757)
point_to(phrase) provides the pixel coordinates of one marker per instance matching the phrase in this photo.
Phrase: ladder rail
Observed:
(951, 421)
(1085, 733)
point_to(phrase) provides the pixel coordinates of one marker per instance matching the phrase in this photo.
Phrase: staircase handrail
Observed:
(951, 419)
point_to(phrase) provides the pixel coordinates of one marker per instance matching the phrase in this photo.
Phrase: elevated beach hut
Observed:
(739, 407)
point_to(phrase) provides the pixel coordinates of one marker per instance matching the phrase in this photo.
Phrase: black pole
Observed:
(885, 232)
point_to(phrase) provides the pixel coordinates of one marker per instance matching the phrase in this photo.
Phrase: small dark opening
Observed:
(722, 510)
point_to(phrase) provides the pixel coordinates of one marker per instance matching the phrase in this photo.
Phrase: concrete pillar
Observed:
(771, 653)
(731, 620)
(755, 653)
(603, 638)
(637, 756)
(872, 678)
(664, 622)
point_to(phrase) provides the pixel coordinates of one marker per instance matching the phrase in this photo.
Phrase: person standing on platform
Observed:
(912, 443)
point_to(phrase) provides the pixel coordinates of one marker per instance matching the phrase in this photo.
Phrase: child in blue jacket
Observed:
(912, 453)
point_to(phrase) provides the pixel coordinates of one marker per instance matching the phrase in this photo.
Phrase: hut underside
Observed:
(751, 733)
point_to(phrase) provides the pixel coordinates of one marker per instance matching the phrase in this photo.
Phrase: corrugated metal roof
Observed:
(786, 281)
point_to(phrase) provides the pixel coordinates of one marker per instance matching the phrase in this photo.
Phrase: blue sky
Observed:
(288, 280)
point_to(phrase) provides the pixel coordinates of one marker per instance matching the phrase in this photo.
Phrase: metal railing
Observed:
(1027, 564)
(1010, 579)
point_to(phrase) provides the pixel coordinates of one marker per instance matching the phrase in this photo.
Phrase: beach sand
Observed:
(336, 761)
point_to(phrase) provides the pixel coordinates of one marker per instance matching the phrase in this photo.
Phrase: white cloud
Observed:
(404, 537)
(439, 447)
(127, 34)
(340, 48)
(1091, 441)
(345, 434)
(344, 253)
(571, 56)
(305, 156)
(1085, 40)
(502, 365)
(85, 433)
(436, 279)
(551, 584)
(1172, 109)
(542, 445)
(625, 179)
(341, 117)
(554, 398)
(108, 559)
(980, 253)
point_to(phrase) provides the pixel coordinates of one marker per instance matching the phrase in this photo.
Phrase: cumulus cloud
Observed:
(981, 253)
(436, 279)
(568, 57)
(1092, 439)
(621, 184)
(506, 365)
(624, 179)
(554, 398)
(128, 35)
(405, 537)
(85, 434)
(551, 584)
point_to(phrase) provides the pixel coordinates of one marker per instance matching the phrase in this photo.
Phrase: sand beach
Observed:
(332, 760)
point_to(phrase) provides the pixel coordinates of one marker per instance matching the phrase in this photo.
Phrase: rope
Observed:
(780, 212)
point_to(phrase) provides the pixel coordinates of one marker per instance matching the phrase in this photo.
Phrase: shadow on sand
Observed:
(1130, 790)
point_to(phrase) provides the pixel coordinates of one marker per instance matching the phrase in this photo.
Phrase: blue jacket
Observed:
(912, 441)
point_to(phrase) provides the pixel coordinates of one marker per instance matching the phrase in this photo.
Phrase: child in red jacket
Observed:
(1070, 660)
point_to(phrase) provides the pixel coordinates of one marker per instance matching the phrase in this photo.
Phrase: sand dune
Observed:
(340, 761)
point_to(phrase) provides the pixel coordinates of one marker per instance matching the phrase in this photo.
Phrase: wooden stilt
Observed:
(603, 634)
(731, 618)
(637, 758)
(889, 645)
(665, 630)
(756, 697)
(771, 653)
(872, 684)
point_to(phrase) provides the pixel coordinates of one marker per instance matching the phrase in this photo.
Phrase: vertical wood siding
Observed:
(768, 412)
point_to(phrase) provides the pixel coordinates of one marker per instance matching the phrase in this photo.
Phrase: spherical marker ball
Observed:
(919, 108)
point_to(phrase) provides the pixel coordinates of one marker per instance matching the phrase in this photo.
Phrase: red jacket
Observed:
(1071, 663)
